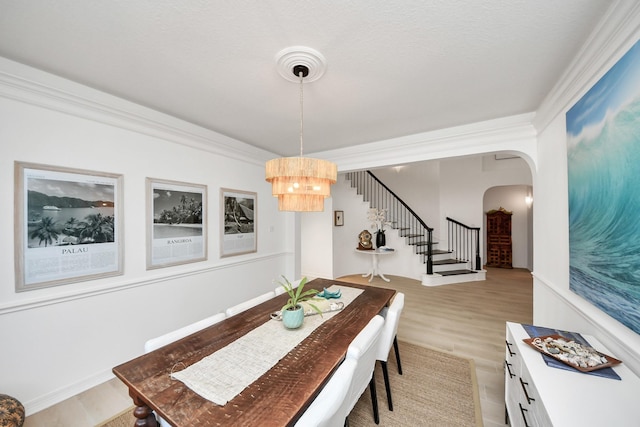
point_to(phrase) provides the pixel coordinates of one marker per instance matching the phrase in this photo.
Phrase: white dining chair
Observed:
(239, 308)
(279, 290)
(363, 350)
(168, 338)
(326, 410)
(388, 337)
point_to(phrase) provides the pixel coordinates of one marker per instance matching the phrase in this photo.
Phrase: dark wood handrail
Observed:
(461, 224)
(401, 202)
(463, 241)
(469, 230)
(406, 220)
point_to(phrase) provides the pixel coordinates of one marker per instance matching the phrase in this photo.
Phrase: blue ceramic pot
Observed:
(292, 319)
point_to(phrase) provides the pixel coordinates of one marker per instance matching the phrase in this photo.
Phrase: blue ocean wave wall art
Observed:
(603, 152)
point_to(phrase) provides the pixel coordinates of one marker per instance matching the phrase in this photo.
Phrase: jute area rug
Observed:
(436, 389)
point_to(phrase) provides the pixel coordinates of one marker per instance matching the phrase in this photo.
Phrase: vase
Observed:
(292, 319)
(381, 240)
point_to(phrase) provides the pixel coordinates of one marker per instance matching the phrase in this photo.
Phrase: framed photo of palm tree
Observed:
(238, 222)
(68, 225)
(176, 223)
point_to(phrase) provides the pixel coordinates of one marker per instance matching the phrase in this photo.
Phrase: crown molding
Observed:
(32, 86)
(514, 134)
(614, 35)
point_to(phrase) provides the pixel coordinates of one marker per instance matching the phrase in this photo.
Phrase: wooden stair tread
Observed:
(401, 216)
(433, 251)
(423, 243)
(448, 261)
(456, 272)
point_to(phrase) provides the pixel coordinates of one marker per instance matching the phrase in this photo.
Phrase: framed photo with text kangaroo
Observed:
(176, 223)
(68, 225)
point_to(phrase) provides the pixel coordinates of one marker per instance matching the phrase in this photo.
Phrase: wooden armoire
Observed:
(499, 252)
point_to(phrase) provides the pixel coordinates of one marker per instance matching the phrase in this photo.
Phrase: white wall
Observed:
(316, 242)
(439, 193)
(345, 259)
(61, 340)
(457, 184)
(464, 182)
(345, 238)
(418, 184)
(540, 140)
(554, 304)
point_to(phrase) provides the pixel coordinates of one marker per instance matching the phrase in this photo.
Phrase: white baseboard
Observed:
(57, 396)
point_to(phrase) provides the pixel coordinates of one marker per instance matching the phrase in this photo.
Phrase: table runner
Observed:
(222, 375)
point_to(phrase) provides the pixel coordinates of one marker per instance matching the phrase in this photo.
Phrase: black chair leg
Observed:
(387, 385)
(374, 399)
(395, 347)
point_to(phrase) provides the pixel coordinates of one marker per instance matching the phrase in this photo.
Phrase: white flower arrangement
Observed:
(378, 218)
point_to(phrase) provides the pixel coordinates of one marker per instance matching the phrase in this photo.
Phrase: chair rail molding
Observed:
(118, 286)
(618, 338)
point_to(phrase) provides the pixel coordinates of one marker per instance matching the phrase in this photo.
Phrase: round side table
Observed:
(375, 268)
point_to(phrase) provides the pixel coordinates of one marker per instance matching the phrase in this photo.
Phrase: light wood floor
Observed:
(467, 320)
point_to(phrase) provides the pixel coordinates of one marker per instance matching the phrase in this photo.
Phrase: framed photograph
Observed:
(239, 222)
(68, 225)
(176, 223)
(338, 218)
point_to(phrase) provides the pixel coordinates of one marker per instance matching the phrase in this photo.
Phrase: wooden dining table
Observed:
(277, 398)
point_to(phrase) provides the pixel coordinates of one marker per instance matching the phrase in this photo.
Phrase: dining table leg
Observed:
(143, 413)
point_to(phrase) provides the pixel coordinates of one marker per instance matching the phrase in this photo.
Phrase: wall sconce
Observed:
(528, 200)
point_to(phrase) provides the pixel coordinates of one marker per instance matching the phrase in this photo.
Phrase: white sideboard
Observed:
(539, 395)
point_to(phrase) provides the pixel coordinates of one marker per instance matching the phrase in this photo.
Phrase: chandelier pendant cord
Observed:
(301, 184)
(301, 112)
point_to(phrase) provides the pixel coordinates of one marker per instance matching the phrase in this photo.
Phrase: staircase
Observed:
(442, 266)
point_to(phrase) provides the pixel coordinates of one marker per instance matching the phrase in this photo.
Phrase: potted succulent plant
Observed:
(292, 311)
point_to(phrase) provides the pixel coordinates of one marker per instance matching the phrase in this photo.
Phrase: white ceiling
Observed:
(394, 67)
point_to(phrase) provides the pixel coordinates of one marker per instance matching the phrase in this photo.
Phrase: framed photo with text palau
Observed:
(68, 225)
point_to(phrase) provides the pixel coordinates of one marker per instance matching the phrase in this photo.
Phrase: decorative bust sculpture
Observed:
(365, 241)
